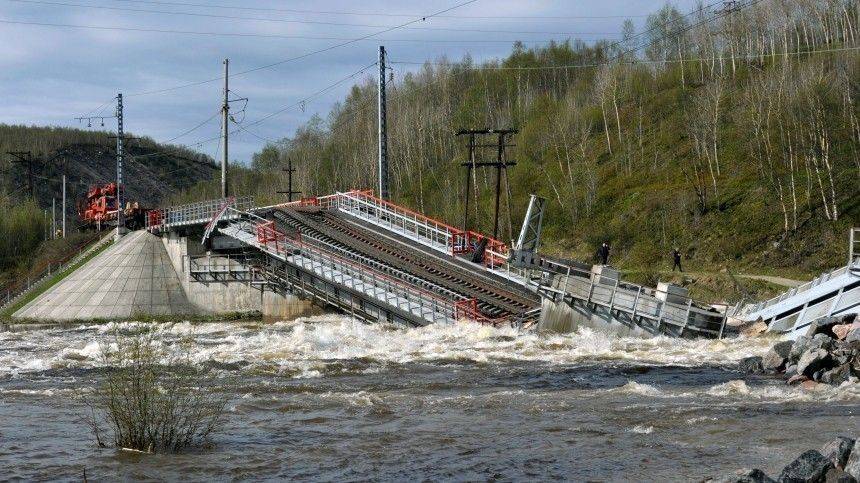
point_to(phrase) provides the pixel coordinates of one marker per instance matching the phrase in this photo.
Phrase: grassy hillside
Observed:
(735, 140)
(152, 172)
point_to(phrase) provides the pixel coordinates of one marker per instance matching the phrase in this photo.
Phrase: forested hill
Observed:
(151, 171)
(735, 140)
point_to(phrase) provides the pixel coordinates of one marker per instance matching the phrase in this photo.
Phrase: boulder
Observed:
(756, 328)
(744, 476)
(824, 325)
(796, 379)
(813, 360)
(799, 347)
(821, 341)
(835, 475)
(852, 467)
(778, 356)
(841, 331)
(791, 371)
(838, 450)
(810, 385)
(836, 376)
(853, 335)
(849, 318)
(751, 365)
(809, 467)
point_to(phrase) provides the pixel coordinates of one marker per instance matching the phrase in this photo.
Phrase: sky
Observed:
(52, 70)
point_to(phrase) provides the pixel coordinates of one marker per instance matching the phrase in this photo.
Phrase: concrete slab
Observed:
(118, 283)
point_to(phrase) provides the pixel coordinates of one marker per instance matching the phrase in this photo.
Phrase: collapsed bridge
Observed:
(378, 261)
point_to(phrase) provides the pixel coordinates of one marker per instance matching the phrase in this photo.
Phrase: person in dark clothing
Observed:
(676, 257)
(603, 253)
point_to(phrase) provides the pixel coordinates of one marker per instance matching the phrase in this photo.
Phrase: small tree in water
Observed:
(152, 399)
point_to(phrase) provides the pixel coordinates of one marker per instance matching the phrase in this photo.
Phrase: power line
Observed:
(310, 22)
(308, 54)
(198, 126)
(376, 14)
(264, 36)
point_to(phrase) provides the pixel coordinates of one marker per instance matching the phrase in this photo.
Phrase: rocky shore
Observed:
(836, 462)
(829, 353)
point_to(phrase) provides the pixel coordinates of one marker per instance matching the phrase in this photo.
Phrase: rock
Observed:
(812, 360)
(799, 347)
(835, 475)
(849, 318)
(852, 467)
(745, 476)
(751, 365)
(838, 450)
(810, 467)
(841, 331)
(773, 362)
(824, 325)
(853, 335)
(796, 379)
(836, 376)
(791, 371)
(777, 357)
(821, 341)
(817, 375)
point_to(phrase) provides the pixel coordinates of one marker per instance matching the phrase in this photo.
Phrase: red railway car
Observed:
(99, 209)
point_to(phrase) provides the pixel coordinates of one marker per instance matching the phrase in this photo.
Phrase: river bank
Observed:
(328, 398)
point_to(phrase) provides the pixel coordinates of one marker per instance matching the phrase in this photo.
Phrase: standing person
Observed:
(676, 257)
(603, 253)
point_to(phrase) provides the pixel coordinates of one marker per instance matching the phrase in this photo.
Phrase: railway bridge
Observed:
(379, 261)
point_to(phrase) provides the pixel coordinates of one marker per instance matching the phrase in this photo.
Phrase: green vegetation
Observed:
(22, 229)
(50, 282)
(736, 140)
(153, 398)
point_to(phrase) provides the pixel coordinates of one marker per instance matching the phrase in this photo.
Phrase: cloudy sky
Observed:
(65, 58)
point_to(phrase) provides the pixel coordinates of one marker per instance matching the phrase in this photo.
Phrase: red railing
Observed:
(468, 310)
(154, 219)
(268, 235)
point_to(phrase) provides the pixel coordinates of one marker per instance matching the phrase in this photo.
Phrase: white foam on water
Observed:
(305, 347)
(642, 429)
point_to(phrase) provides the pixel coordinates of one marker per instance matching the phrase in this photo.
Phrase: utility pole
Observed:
(119, 154)
(25, 157)
(64, 200)
(383, 129)
(53, 217)
(225, 127)
(501, 163)
(289, 170)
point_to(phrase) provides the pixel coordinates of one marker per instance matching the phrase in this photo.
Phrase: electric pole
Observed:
(289, 170)
(64, 200)
(225, 113)
(53, 217)
(383, 129)
(501, 163)
(119, 154)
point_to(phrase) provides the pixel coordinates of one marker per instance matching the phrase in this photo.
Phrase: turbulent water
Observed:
(332, 399)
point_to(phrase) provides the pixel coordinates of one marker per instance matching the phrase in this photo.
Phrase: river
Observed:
(328, 398)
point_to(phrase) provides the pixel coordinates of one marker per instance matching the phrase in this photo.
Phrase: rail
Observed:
(357, 275)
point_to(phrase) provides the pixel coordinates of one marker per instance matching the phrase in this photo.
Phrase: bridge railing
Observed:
(202, 212)
(354, 274)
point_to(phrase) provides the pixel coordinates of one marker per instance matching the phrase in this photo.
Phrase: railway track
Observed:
(444, 278)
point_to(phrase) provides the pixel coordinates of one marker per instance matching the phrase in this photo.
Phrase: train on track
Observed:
(98, 209)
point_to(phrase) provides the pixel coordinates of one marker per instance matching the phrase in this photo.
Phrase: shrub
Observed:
(151, 398)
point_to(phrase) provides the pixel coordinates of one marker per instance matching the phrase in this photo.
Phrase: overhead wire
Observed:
(292, 21)
(373, 14)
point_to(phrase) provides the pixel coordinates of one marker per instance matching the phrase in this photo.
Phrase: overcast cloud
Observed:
(52, 74)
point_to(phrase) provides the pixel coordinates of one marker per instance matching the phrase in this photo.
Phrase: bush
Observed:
(152, 399)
